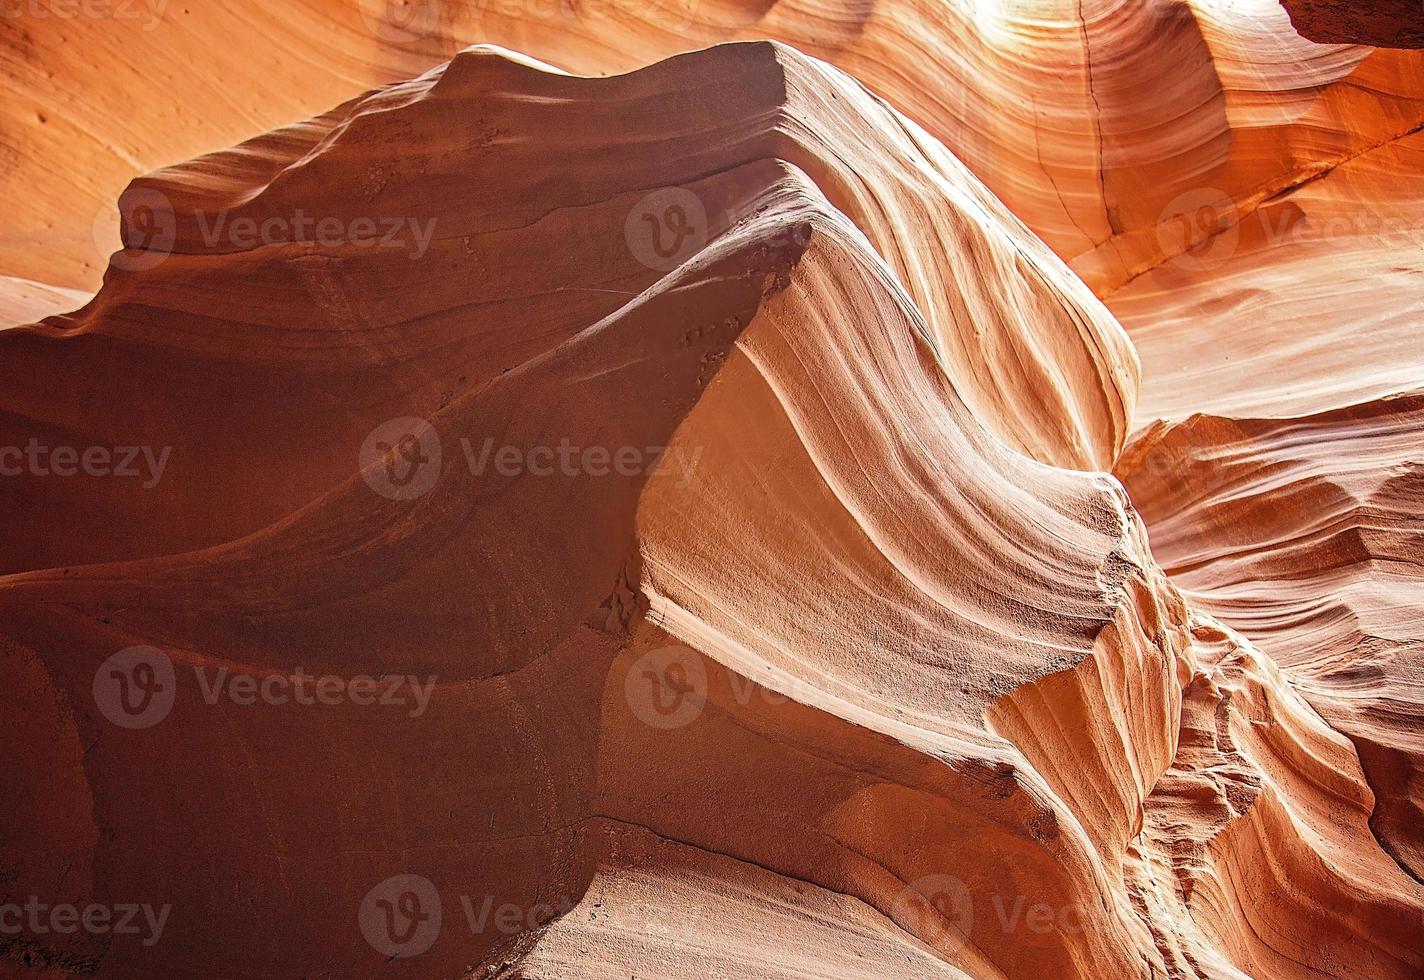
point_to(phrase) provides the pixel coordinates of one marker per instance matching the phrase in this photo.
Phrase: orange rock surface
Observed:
(934, 495)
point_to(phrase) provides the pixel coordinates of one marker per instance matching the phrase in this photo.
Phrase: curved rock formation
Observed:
(814, 393)
(1387, 24)
(686, 523)
(1304, 534)
(1089, 119)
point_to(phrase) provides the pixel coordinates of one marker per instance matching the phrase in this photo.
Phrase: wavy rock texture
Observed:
(1305, 534)
(1228, 187)
(1388, 24)
(892, 652)
(1263, 822)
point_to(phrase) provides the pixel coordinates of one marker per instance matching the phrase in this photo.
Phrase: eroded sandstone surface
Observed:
(934, 494)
